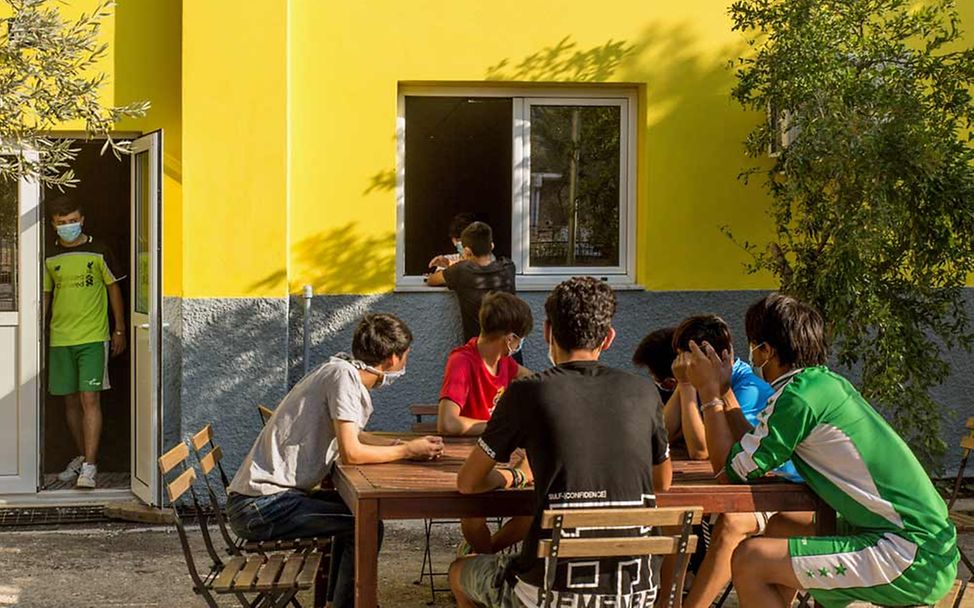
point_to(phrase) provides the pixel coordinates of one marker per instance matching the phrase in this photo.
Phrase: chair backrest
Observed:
(967, 445)
(420, 411)
(265, 413)
(210, 457)
(599, 541)
(178, 476)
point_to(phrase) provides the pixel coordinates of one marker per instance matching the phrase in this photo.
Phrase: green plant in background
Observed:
(48, 77)
(872, 199)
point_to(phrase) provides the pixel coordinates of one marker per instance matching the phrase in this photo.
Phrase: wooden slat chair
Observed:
(964, 522)
(273, 581)
(961, 595)
(596, 521)
(421, 411)
(210, 457)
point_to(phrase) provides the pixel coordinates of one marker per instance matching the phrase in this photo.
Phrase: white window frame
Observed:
(532, 277)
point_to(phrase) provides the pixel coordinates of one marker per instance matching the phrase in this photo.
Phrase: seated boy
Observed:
(746, 399)
(476, 376)
(578, 421)
(655, 353)
(897, 546)
(318, 421)
(476, 276)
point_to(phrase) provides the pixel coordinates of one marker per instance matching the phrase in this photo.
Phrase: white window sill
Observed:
(524, 284)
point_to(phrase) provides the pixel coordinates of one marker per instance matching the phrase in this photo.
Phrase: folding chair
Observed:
(598, 542)
(963, 521)
(421, 411)
(265, 414)
(273, 580)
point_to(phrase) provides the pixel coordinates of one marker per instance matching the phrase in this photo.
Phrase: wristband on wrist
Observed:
(713, 403)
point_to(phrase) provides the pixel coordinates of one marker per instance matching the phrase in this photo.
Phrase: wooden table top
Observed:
(693, 484)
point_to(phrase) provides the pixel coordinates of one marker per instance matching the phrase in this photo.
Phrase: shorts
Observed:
(482, 580)
(82, 368)
(881, 568)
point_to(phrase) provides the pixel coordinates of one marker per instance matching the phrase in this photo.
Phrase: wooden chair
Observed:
(272, 580)
(964, 522)
(961, 595)
(564, 524)
(210, 457)
(421, 411)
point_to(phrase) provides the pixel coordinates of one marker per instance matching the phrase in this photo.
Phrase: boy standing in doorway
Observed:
(82, 274)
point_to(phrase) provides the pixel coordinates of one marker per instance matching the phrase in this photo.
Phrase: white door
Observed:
(146, 314)
(19, 337)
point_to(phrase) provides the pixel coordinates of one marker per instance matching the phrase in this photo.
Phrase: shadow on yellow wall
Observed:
(339, 261)
(689, 154)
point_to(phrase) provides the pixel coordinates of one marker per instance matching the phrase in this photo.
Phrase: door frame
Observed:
(148, 490)
(27, 320)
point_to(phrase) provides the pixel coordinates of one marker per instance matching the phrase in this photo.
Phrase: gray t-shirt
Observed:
(297, 447)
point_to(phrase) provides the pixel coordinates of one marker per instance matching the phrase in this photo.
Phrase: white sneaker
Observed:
(86, 479)
(71, 471)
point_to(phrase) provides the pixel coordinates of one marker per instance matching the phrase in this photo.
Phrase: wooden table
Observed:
(420, 490)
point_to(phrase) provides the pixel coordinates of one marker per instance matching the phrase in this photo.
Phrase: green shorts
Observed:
(482, 580)
(82, 368)
(880, 568)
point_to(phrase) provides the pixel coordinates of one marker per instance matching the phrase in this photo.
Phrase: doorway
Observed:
(104, 192)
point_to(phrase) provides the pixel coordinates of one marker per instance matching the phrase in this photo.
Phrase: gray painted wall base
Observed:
(236, 353)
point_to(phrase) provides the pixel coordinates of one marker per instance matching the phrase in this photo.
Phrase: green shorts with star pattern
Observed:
(82, 368)
(881, 568)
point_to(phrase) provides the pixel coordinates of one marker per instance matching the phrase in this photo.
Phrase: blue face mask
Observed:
(69, 232)
(459, 247)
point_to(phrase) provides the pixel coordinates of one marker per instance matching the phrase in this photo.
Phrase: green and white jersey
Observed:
(848, 455)
(78, 276)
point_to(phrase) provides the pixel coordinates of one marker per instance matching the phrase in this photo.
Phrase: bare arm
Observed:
(663, 475)
(694, 432)
(370, 439)
(739, 426)
(436, 279)
(478, 475)
(523, 372)
(671, 416)
(710, 375)
(118, 314)
(354, 451)
(450, 422)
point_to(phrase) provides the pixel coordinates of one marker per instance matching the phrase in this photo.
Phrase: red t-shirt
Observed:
(469, 384)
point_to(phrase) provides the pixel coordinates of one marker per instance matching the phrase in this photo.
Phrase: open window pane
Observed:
(575, 185)
(458, 156)
(8, 244)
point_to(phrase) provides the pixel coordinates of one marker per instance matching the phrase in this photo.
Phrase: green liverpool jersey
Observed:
(78, 277)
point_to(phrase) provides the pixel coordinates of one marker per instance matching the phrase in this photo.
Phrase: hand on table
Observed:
(440, 261)
(425, 448)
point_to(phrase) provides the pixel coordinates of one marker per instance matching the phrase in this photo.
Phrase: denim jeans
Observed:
(297, 514)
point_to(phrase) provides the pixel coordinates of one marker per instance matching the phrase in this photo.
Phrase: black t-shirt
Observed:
(472, 282)
(592, 434)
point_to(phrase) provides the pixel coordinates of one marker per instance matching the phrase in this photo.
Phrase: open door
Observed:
(145, 335)
(19, 338)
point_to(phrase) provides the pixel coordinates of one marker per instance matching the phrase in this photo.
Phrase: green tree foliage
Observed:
(48, 77)
(873, 200)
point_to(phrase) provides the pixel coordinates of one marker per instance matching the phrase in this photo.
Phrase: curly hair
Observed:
(580, 311)
(379, 336)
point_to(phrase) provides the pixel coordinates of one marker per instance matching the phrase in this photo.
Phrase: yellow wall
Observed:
(348, 58)
(234, 149)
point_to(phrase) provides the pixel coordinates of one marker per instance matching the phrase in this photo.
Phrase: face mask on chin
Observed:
(757, 369)
(389, 377)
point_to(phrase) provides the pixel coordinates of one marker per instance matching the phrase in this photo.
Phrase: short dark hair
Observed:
(459, 222)
(379, 336)
(700, 329)
(63, 205)
(655, 351)
(478, 237)
(793, 328)
(504, 313)
(580, 311)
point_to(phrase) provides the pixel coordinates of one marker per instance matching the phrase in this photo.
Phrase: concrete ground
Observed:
(131, 565)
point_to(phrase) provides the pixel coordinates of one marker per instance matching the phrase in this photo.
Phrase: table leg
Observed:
(366, 554)
(824, 525)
